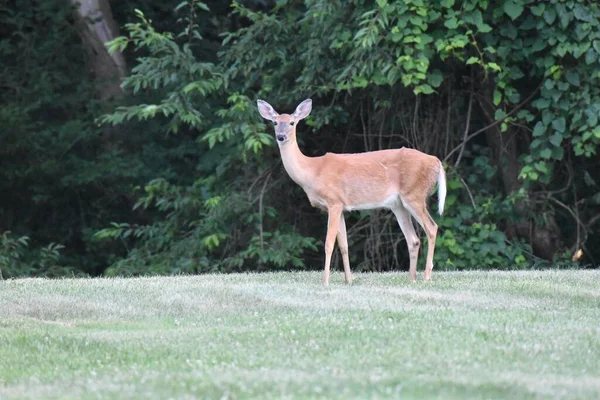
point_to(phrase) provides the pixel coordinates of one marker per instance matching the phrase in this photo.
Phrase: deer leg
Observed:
(333, 222)
(342, 241)
(412, 240)
(431, 232)
(430, 227)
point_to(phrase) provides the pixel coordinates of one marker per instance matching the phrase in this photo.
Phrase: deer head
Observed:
(285, 124)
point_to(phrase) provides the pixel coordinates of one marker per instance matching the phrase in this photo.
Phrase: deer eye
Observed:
(275, 123)
(292, 123)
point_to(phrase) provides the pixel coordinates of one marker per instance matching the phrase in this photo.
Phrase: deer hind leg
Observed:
(333, 222)
(418, 209)
(342, 240)
(412, 240)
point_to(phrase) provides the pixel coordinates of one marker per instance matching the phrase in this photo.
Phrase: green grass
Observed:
(514, 335)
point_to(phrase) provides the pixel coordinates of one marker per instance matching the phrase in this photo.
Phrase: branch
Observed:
(514, 110)
(260, 210)
(465, 137)
(568, 184)
(468, 124)
(469, 192)
(593, 220)
(580, 224)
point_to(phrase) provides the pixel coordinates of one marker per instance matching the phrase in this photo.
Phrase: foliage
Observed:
(17, 259)
(63, 174)
(198, 218)
(181, 175)
(11, 253)
(424, 46)
(49, 174)
(169, 67)
(465, 245)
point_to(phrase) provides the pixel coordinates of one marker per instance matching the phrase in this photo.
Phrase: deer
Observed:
(400, 180)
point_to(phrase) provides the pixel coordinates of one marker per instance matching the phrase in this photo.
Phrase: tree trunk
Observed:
(544, 239)
(97, 26)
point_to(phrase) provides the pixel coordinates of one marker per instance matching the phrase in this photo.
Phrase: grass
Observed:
(514, 335)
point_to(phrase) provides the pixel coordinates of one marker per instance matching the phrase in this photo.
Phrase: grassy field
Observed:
(514, 335)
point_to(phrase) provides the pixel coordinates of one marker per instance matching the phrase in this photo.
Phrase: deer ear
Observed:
(303, 109)
(266, 110)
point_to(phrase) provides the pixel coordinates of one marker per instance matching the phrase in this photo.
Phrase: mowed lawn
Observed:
(513, 335)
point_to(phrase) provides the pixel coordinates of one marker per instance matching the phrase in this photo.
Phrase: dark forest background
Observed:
(131, 142)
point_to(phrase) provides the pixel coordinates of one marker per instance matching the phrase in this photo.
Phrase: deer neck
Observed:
(296, 164)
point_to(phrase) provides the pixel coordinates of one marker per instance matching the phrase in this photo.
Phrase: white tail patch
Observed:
(441, 189)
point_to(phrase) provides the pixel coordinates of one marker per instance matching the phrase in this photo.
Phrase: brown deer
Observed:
(399, 179)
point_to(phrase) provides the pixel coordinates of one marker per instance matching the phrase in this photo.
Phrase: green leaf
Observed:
(472, 60)
(526, 115)
(509, 30)
(591, 57)
(559, 124)
(592, 116)
(582, 13)
(451, 23)
(181, 5)
(550, 16)
(541, 166)
(558, 153)
(529, 23)
(565, 16)
(539, 129)
(546, 154)
(484, 28)
(512, 9)
(547, 117)
(473, 18)
(534, 176)
(516, 73)
(435, 78)
(497, 97)
(556, 139)
(541, 103)
(572, 78)
(454, 184)
(447, 3)
(503, 51)
(425, 89)
(587, 178)
(493, 66)
(537, 10)
(538, 45)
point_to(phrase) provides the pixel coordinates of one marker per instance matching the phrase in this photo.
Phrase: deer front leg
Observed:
(342, 240)
(333, 222)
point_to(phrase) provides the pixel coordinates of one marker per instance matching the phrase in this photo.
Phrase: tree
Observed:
(506, 93)
(96, 27)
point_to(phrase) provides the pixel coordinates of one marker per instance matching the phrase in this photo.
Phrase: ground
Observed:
(513, 335)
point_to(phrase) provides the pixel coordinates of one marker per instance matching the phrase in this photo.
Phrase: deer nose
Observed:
(280, 138)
